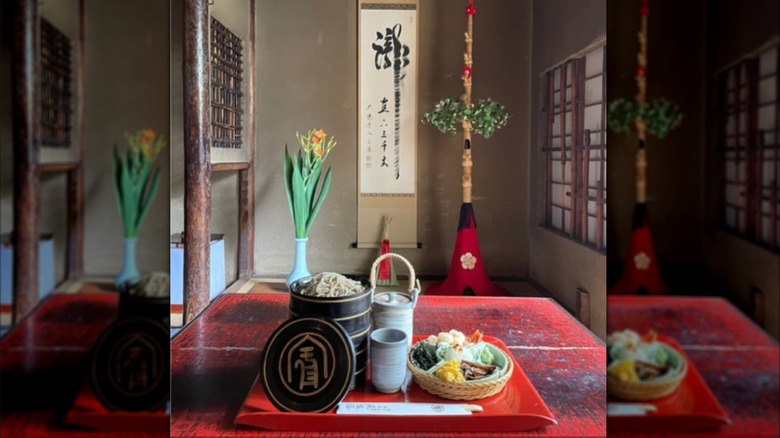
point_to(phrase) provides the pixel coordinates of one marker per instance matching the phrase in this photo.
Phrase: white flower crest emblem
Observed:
(641, 261)
(468, 261)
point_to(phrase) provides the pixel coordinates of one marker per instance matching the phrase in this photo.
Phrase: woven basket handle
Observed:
(414, 283)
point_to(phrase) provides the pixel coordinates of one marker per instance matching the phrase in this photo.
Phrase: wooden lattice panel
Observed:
(55, 87)
(226, 69)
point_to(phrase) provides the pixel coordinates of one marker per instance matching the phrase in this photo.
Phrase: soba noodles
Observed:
(331, 284)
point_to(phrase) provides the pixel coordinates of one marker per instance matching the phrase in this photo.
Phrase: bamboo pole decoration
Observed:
(641, 83)
(466, 98)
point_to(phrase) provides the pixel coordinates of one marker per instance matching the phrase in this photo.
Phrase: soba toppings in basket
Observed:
(423, 355)
(331, 284)
(450, 372)
(476, 371)
(454, 357)
(633, 358)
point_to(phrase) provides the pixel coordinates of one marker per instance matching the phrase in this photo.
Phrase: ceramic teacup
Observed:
(388, 359)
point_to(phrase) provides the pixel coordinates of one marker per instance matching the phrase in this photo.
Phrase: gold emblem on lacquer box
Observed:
(308, 363)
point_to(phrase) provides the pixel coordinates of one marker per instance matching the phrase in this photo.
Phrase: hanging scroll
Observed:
(388, 119)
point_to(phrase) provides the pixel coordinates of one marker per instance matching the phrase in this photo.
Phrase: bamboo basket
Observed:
(650, 389)
(469, 390)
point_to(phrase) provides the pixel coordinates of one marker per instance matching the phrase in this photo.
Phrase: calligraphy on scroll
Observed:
(388, 98)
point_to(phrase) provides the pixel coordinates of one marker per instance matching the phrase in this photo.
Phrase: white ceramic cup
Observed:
(388, 359)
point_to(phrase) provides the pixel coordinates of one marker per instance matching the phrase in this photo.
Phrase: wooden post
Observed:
(562, 133)
(27, 144)
(753, 161)
(550, 118)
(575, 220)
(757, 305)
(75, 245)
(197, 159)
(583, 307)
(246, 178)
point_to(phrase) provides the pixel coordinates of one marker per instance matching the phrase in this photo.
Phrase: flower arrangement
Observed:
(486, 116)
(659, 116)
(134, 184)
(302, 176)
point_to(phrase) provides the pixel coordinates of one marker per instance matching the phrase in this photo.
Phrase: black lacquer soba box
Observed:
(352, 312)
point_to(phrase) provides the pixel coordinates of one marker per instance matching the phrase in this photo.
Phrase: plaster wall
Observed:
(736, 263)
(307, 77)
(675, 165)
(557, 263)
(126, 88)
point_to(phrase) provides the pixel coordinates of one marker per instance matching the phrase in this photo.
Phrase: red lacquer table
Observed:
(215, 359)
(43, 363)
(737, 360)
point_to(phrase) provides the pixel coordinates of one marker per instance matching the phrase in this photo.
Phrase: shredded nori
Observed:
(423, 355)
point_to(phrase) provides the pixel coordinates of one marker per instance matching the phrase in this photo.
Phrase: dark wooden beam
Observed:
(27, 136)
(246, 178)
(224, 167)
(58, 167)
(75, 244)
(197, 158)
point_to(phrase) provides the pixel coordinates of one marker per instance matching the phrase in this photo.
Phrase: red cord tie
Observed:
(641, 71)
(470, 10)
(467, 71)
(645, 10)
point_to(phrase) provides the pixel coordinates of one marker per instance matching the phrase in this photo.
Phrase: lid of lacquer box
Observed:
(130, 367)
(307, 365)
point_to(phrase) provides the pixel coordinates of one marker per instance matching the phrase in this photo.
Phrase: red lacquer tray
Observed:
(691, 407)
(517, 407)
(88, 412)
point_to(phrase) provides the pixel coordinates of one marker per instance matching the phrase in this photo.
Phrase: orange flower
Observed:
(317, 137)
(147, 135)
(319, 151)
(148, 151)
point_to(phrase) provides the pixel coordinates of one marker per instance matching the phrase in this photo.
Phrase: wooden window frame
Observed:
(579, 154)
(740, 82)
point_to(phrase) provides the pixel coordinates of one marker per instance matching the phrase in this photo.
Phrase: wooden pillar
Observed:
(197, 160)
(75, 245)
(246, 177)
(27, 136)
